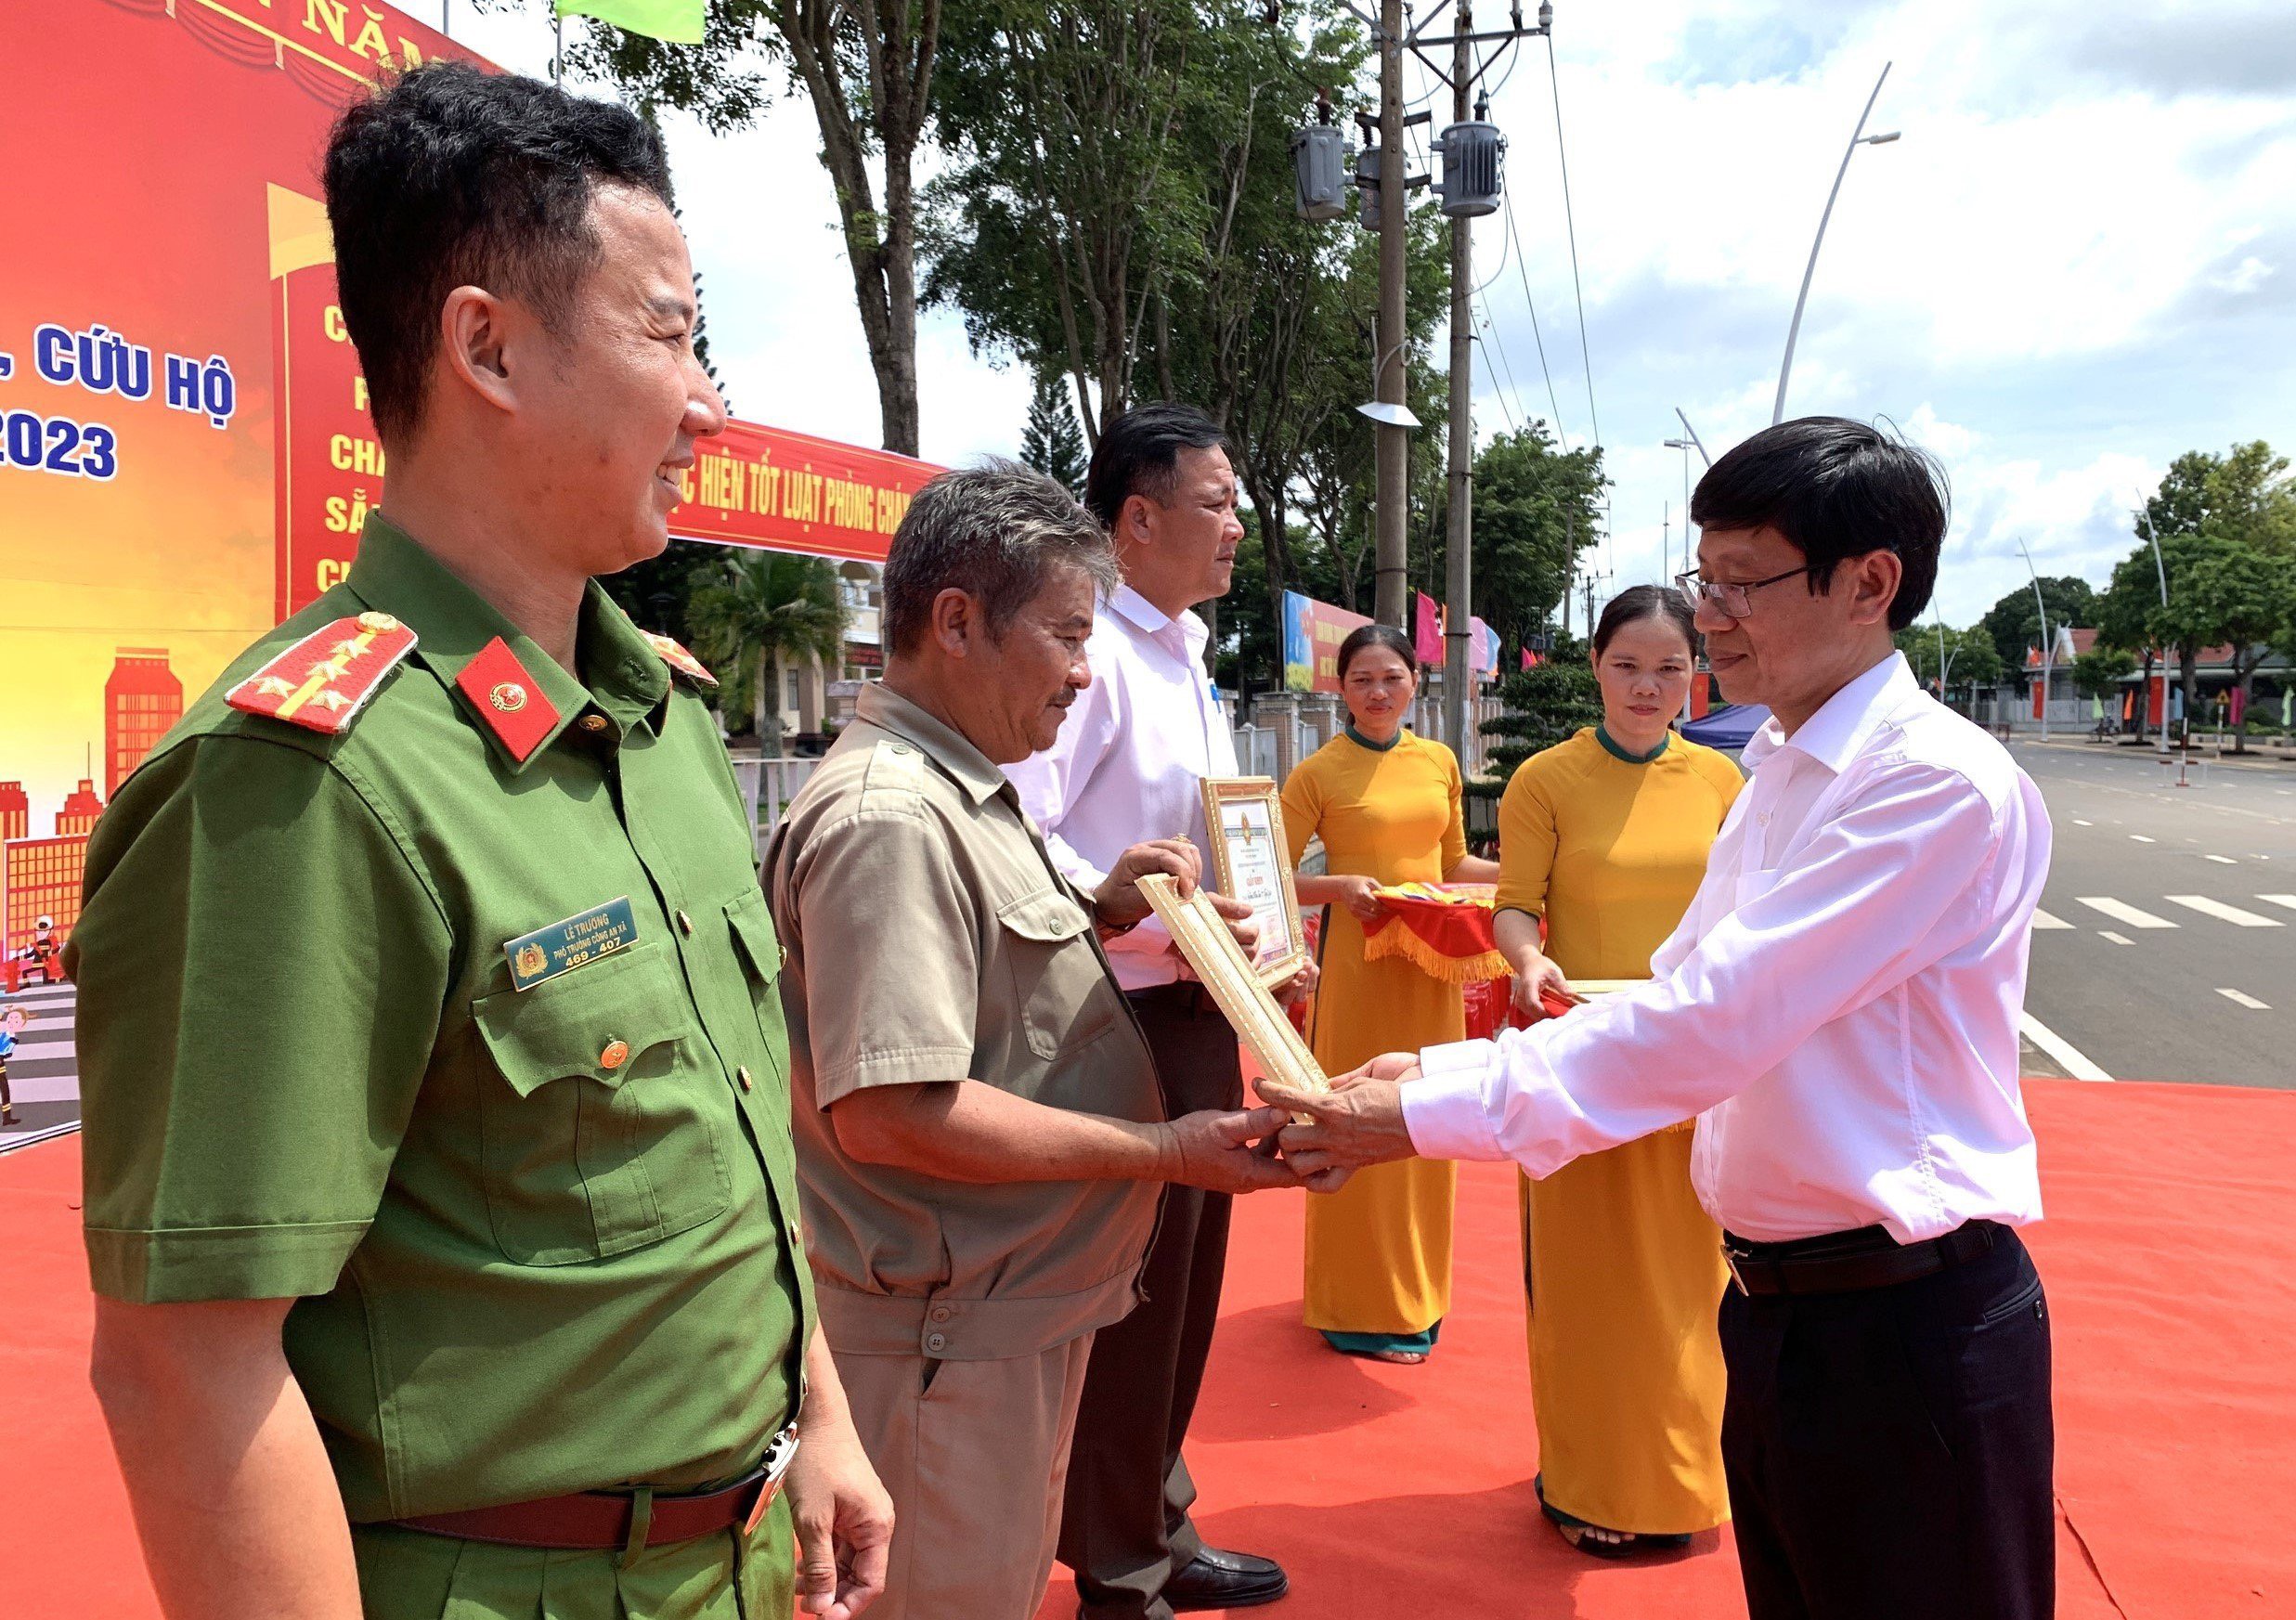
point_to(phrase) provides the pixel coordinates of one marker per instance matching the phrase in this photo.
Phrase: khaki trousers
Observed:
(974, 1454)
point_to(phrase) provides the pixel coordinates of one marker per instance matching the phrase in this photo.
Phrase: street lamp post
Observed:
(1858, 138)
(2048, 642)
(1689, 560)
(2161, 569)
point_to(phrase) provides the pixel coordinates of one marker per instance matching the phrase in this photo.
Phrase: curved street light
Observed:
(1858, 138)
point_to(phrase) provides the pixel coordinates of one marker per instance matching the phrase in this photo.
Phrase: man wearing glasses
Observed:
(1839, 1011)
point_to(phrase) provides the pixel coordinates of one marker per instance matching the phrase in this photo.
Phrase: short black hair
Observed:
(1139, 454)
(1641, 602)
(1837, 489)
(1363, 637)
(451, 176)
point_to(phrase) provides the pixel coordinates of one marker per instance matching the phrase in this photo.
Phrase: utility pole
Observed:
(1393, 445)
(1459, 544)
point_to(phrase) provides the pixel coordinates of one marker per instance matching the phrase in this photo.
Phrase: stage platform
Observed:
(2168, 1254)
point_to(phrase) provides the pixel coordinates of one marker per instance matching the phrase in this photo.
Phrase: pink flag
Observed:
(1427, 630)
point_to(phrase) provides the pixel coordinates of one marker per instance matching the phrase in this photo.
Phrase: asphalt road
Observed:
(2177, 954)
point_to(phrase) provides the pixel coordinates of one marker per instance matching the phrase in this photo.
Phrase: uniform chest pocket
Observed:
(1066, 998)
(750, 920)
(598, 1133)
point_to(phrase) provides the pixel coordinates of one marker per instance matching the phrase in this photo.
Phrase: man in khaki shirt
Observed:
(980, 1141)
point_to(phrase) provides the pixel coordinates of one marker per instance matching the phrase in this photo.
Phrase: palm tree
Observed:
(759, 611)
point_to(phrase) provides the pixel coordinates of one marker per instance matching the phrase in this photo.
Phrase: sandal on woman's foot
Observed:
(1599, 1540)
(1397, 1357)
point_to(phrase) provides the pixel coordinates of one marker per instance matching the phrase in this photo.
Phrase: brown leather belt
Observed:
(601, 1520)
(1844, 1263)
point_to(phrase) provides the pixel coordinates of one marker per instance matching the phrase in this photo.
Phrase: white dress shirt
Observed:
(1839, 1006)
(1130, 762)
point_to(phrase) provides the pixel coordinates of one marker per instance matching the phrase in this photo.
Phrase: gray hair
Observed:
(996, 532)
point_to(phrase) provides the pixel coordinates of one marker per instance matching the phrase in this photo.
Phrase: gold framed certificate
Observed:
(1203, 938)
(1252, 862)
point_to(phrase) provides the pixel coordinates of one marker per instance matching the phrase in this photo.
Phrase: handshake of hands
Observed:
(1311, 1139)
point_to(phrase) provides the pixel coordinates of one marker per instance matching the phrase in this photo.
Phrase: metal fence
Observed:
(767, 787)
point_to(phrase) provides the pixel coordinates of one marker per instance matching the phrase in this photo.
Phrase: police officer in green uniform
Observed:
(440, 1198)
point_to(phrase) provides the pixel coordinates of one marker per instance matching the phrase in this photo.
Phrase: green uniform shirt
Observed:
(546, 1239)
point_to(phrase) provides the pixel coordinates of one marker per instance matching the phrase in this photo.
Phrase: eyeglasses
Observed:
(1729, 597)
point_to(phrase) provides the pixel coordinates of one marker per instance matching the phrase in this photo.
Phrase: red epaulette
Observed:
(678, 658)
(324, 680)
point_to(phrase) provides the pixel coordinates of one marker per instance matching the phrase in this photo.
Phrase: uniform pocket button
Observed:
(943, 1312)
(685, 924)
(741, 1074)
(936, 1342)
(616, 1053)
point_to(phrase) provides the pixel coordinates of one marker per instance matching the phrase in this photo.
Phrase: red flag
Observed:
(1427, 630)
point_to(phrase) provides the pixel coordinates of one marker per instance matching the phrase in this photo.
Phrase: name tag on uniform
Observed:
(585, 937)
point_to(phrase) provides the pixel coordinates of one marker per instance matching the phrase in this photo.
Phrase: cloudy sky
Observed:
(2078, 263)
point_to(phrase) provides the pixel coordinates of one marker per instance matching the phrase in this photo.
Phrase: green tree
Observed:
(2243, 596)
(1969, 659)
(2222, 592)
(2245, 494)
(2015, 622)
(867, 69)
(1544, 706)
(2099, 672)
(1051, 442)
(1536, 506)
(758, 611)
(659, 592)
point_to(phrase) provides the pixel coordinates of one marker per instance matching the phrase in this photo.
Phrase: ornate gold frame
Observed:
(1203, 938)
(1223, 790)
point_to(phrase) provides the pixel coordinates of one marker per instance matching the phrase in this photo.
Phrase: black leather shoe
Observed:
(1215, 1579)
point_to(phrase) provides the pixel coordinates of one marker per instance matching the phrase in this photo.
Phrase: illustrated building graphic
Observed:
(142, 699)
(15, 811)
(81, 809)
(40, 877)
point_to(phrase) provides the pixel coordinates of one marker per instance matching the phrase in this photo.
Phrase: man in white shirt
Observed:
(1839, 1010)
(1138, 743)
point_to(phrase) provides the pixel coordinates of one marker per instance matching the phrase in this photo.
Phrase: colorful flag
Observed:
(1483, 657)
(1427, 630)
(675, 21)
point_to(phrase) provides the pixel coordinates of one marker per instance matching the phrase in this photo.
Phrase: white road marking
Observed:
(2079, 822)
(2067, 1054)
(2141, 839)
(2121, 911)
(2223, 913)
(2280, 899)
(2116, 939)
(2244, 1000)
(2044, 920)
(2221, 859)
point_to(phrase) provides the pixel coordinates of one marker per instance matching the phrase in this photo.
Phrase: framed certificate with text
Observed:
(1241, 993)
(1250, 861)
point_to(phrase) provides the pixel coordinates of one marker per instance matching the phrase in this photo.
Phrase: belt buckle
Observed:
(1729, 1257)
(778, 1457)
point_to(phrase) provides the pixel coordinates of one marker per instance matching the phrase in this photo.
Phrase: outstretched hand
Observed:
(1358, 1121)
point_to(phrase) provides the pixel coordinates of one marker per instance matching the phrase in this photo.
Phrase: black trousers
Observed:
(1125, 1526)
(1889, 1452)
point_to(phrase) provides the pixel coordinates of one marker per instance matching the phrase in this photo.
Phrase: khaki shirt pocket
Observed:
(594, 1134)
(1066, 998)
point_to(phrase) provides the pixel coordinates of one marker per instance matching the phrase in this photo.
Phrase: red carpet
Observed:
(2168, 1254)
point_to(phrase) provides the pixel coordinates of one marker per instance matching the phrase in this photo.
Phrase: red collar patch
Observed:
(510, 702)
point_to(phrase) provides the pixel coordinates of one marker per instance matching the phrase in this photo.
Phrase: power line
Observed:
(1521, 268)
(1491, 327)
(1496, 393)
(1571, 224)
